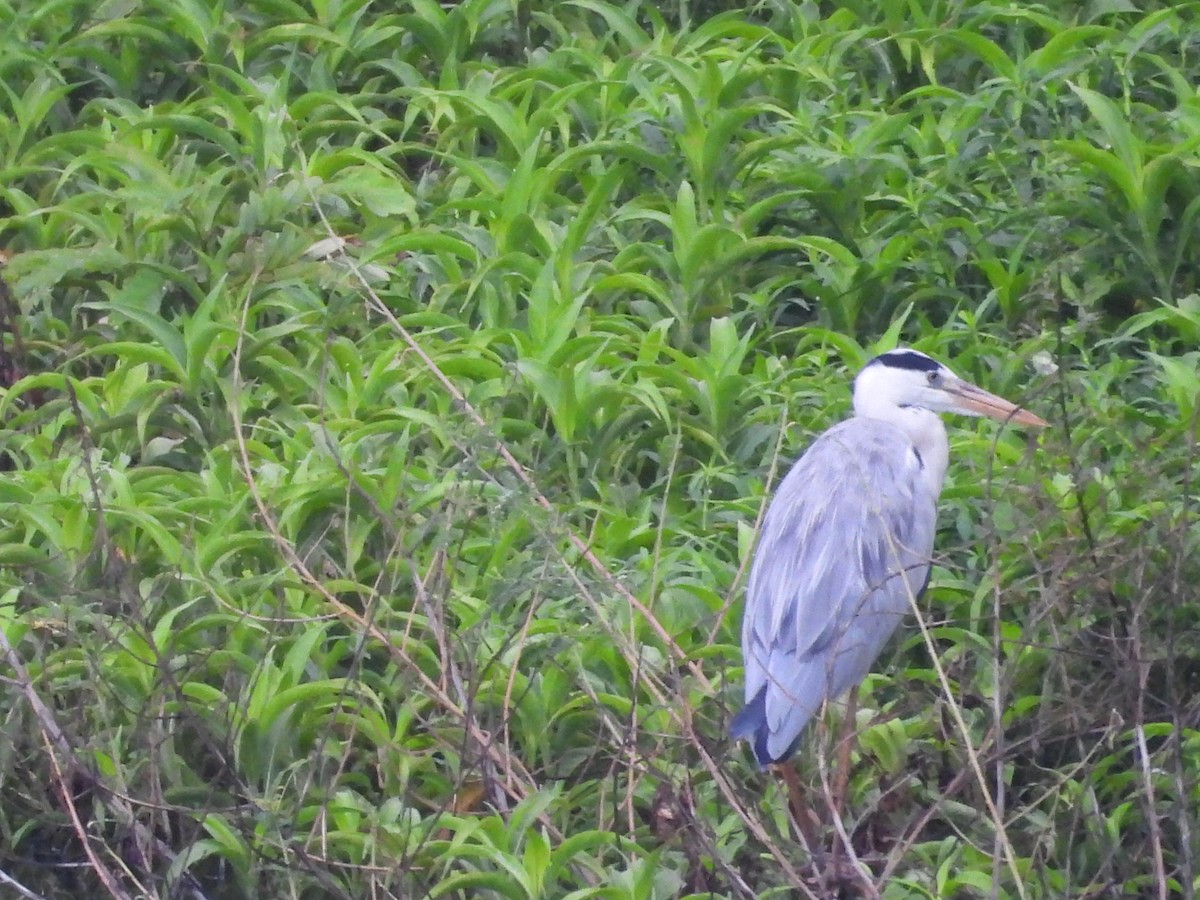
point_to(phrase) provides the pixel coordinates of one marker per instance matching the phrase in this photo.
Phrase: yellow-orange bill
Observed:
(976, 400)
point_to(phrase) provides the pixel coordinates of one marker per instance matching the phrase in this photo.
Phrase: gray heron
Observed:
(847, 543)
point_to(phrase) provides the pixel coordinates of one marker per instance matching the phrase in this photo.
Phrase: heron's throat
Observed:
(932, 447)
(926, 432)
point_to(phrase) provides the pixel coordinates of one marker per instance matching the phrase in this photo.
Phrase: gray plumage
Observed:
(830, 580)
(847, 544)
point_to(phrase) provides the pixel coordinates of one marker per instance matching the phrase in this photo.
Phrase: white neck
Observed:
(924, 429)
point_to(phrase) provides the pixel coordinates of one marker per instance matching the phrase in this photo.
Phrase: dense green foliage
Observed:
(393, 390)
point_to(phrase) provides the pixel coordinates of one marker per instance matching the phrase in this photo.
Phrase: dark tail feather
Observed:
(751, 722)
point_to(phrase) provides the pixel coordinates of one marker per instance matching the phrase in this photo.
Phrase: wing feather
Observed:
(846, 540)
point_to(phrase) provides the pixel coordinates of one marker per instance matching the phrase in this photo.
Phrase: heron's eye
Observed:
(934, 378)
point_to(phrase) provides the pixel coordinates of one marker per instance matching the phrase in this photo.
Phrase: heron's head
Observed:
(909, 378)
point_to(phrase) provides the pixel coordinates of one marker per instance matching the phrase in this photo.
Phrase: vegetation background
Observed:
(392, 391)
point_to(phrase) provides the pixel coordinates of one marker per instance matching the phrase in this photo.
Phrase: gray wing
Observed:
(846, 540)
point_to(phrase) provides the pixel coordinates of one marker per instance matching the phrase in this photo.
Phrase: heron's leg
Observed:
(847, 735)
(803, 816)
